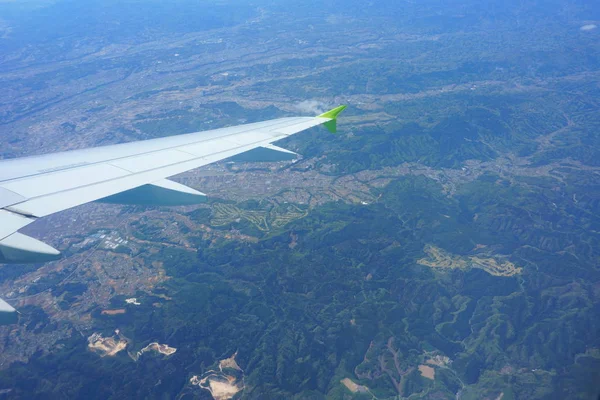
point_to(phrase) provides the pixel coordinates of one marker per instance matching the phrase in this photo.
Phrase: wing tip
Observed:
(332, 115)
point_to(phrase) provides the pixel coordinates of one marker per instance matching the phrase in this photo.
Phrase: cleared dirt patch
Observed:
(106, 346)
(225, 383)
(230, 363)
(114, 312)
(354, 387)
(427, 371)
(157, 347)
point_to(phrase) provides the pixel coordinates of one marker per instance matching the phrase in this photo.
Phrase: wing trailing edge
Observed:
(266, 153)
(19, 249)
(161, 193)
(8, 315)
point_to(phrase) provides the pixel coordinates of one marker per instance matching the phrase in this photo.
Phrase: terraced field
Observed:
(266, 219)
(439, 258)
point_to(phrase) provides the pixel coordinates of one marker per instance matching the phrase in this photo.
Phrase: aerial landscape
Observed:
(443, 244)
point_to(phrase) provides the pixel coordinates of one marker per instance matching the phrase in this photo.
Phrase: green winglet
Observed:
(333, 113)
(332, 125)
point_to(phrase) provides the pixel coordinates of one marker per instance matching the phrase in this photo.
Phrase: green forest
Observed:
(351, 297)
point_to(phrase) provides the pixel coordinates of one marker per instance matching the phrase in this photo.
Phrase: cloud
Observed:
(588, 27)
(313, 107)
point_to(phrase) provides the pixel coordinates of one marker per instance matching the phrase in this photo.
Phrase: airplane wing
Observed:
(128, 173)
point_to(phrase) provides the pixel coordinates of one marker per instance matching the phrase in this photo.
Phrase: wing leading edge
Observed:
(128, 173)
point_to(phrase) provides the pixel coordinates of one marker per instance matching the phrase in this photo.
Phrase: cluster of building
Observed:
(112, 240)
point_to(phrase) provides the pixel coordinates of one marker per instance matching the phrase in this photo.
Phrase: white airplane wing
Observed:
(129, 173)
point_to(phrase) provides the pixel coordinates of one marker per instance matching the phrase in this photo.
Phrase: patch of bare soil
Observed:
(225, 383)
(427, 371)
(108, 346)
(354, 387)
(113, 312)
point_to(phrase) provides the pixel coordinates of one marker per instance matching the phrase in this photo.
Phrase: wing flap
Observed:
(11, 222)
(266, 153)
(161, 193)
(8, 315)
(8, 197)
(18, 248)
